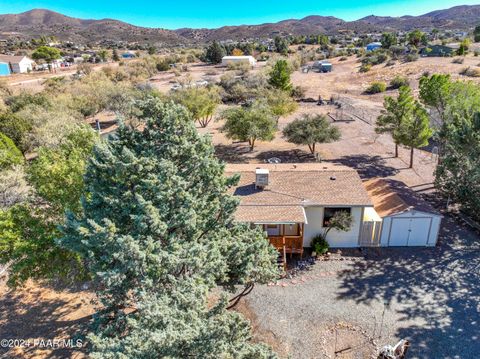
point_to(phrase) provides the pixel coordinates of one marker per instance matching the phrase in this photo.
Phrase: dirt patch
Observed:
(260, 334)
(36, 314)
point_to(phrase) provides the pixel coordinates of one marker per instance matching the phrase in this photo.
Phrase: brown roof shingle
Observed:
(295, 186)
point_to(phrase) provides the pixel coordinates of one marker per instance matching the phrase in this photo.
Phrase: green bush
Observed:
(411, 57)
(376, 87)
(320, 244)
(365, 68)
(398, 82)
(10, 155)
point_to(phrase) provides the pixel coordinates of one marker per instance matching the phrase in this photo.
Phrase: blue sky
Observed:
(172, 14)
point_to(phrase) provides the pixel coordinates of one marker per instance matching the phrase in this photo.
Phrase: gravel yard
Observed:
(429, 296)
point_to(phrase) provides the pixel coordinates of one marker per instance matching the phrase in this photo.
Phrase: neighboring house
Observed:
(232, 60)
(437, 51)
(4, 69)
(294, 202)
(373, 46)
(18, 64)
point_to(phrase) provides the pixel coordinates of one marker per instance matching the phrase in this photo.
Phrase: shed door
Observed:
(419, 230)
(410, 231)
(399, 232)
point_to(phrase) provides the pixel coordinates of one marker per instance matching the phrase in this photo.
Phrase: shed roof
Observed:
(395, 197)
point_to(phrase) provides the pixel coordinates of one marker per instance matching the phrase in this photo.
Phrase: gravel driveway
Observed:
(430, 296)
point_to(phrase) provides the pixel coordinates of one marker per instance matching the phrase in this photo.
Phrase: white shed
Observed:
(231, 60)
(18, 64)
(407, 220)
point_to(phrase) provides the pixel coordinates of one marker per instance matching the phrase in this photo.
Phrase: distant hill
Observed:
(45, 22)
(38, 22)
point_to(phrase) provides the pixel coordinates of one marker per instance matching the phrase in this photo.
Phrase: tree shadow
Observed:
(438, 288)
(367, 166)
(234, 153)
(35, 314)
(288, 156)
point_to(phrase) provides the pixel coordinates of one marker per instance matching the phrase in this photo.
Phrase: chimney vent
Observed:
(261, 177)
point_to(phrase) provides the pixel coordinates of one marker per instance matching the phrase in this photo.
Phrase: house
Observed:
(295, 202)
(374, 46)
(4, 69)
(437, 51)
(232, 60)
(18, 64)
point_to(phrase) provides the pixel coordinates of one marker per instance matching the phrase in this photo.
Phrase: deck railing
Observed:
(287, 244)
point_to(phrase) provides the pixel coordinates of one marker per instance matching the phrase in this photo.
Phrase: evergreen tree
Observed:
(388, 40)
(476, 34)
(280, 76)
(415, 131)
(157, 234)
(281, 45)
(396, 112)
(215, 52)
(115, 56)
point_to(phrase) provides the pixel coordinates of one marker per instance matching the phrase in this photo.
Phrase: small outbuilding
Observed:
(18, 64)
(374, 46)
(407, 220)
(437, 51)
(4, 69)
(232, 60)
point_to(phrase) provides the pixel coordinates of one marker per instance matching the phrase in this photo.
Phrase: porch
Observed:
(287, 238)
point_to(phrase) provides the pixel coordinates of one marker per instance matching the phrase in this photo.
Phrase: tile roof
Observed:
(294, 186)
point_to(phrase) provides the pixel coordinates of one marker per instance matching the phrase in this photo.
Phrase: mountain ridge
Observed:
(46, 22)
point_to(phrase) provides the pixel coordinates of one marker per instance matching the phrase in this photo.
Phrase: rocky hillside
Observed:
(44, 22)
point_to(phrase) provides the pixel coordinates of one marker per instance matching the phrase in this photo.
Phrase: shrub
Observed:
(470, 72)
(398, 82)
(411, 57)
(299, 92)
(376, 87)
(390, 63)
(320, 244)
(458, 60)
(163, 66)
(365, 68)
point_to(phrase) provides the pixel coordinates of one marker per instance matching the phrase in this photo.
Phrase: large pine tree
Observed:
(158, 236)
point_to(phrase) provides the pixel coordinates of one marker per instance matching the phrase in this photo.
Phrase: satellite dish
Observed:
(274, 160)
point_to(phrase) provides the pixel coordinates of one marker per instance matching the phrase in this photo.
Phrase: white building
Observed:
(231, 60)
(18, 64)
(295, 202)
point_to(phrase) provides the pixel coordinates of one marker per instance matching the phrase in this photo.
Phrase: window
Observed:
(329, 212)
